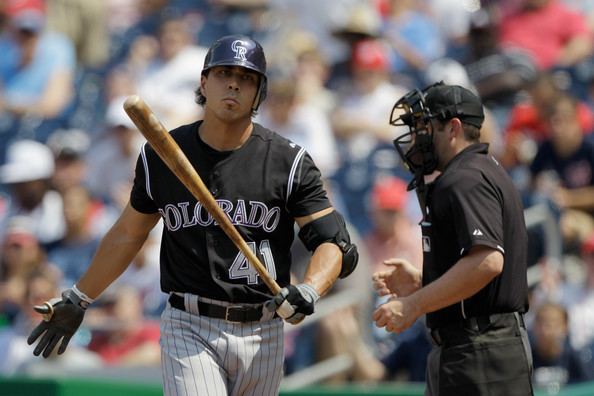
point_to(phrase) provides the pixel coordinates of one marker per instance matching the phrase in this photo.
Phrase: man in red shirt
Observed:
(553, 34)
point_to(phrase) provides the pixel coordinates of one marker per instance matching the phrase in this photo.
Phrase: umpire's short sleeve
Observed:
(140, 198)
(477, 210)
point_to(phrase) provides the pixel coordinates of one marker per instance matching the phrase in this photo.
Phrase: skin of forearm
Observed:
(467, 277)
(576, 50)
(325, 263)
(580, 198)
(115, 253)
(324, 267)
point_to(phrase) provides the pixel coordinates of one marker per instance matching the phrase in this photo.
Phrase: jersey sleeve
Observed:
(140, 197)
(307, 194)
(477, 210)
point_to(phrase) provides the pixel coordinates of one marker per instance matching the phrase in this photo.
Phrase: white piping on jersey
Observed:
(293, 170)
(146, 171)
(462, 307)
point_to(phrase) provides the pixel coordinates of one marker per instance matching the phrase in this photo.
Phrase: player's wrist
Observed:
(77, 297)
(308, 292)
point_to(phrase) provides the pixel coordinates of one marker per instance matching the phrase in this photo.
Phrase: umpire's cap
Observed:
(239, 50)
(449, 101)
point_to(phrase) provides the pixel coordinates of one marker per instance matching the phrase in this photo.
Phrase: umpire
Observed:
(473, 285)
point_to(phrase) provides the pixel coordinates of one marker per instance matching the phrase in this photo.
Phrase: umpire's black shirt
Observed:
(474, 202)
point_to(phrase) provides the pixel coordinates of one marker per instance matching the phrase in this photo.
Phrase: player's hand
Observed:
(294, 303)
(61, 318)
(400, 279)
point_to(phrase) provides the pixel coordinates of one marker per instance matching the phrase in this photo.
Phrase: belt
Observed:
(231, 313)
(441, 335)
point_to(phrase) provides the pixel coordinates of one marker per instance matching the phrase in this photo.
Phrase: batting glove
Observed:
(61, 318)
(301, 299)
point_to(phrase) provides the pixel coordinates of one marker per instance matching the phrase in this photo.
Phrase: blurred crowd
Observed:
(336, 68)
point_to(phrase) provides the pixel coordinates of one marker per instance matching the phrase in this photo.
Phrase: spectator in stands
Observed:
(453, 20)
(143, 275)
(148, 16)
(299, 122)
(528, 124)
(579, 300)
(224, 17)
(499, 74)
(563, 172)
(121, 335)
(553, 34)
(15, 353)
(363, 135)
(394, 232)
(556, 363)
(37, 70)
(111, 160)
(85, 24)
(168, 82)
(312, 72)
(415, 40)
(405, 360)
(73, 253)
(69, 147)
(21, 255)
(27, 174)
(362, 23)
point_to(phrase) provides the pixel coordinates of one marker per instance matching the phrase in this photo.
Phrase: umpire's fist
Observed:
(61, 318)
(293, 303)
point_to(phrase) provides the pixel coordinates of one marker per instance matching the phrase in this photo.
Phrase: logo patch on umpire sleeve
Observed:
(426, 244)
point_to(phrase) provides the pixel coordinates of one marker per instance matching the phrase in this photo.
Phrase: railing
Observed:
(541, 215)
(336, 364)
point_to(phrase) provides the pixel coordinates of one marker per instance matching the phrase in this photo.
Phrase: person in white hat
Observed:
(29, 166)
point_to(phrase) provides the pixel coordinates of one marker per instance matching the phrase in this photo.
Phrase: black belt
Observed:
(445, 334)
(231, 313)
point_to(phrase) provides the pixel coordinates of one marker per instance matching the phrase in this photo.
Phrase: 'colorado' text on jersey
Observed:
(262, 187)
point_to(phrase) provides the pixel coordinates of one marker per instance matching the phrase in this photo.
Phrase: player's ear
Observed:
(202, 85)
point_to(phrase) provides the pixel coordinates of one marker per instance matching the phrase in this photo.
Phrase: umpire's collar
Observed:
(475, 148)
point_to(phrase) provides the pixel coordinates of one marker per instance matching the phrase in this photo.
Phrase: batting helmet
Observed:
(238, 50)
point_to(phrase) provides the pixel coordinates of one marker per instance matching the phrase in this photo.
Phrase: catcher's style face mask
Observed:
(417, 110)
(415, 147)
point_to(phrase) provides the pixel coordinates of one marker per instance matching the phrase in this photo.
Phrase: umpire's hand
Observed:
(61, 318)
(301, 299)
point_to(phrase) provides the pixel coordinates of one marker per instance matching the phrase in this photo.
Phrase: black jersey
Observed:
(262, 187)
(474, 202)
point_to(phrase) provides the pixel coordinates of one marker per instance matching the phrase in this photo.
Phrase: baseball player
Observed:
(220, 334)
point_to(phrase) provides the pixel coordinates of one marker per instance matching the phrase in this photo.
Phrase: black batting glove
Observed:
(61, 318)
(301, 300)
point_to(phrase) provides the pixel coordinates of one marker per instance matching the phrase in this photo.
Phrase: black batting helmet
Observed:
(239, 50)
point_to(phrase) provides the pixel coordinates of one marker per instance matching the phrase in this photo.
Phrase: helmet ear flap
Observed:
(261, 94)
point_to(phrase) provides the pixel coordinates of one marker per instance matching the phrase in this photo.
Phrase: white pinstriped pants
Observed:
(213, 357)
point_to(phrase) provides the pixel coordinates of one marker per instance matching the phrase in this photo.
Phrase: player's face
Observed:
(230, 91)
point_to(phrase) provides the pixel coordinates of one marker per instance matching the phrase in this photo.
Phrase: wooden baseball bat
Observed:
(169, 151)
